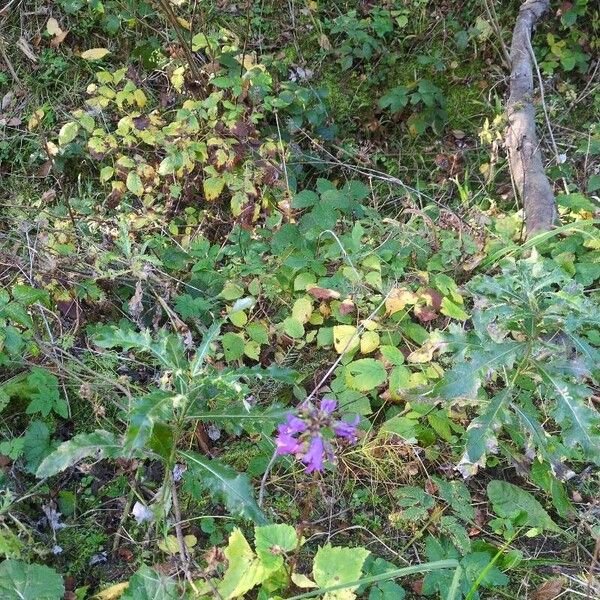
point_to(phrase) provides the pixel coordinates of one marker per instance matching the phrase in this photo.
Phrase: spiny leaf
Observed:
(99, 444)
(510, 501)
(233, 487)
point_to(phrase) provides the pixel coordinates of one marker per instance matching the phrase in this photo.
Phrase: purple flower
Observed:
(313, 459)
(303, 434)
(328, 405)
(347, 430)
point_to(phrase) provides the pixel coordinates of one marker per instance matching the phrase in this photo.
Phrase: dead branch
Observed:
(521, 139)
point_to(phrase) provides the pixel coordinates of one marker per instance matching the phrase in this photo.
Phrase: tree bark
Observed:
(522, 143)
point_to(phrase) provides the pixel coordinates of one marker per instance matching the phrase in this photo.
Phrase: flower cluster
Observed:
(307, 435)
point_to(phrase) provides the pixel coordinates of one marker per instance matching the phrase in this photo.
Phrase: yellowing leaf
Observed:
(213, 186)
(95, 53)
(113, 592)
(68, 132)
(302, 309)
(344, 338)
(369, 342)
(106, 173)
(398, 299)
(177, 78)
(35, 119)
(302, 581)
(140, 98)
(52, 27)
(134, 183)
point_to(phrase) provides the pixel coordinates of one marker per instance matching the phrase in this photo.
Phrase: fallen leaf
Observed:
(322, 293)
(549, 590)
(95, 53)
(397, 299)
(26, 48)
(58, 39)
(113, 592)
(52, 26)
(347, 307)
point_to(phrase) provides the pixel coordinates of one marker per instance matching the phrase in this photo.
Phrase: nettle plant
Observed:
(189, 390)
(527, 364)
(426, 100)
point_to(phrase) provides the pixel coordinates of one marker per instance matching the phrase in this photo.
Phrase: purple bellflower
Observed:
(303, 434)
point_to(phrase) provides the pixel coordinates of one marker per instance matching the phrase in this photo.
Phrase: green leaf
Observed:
(365, 374)
(17, 313)
(148, 584)
(244, 570)
(233, 346)
(20, 581)
(134, 183)
(25, 294)
(305, 199)
(335, 566)
(575, 201)
(99, 444)
(480, 433)
(414, 502)
(44, 394)
(213, 186)
(579, 423)
(457, 496)
(293, 327)
(396, 99)
(222, 480)
(272, 542)
(36, 444)
(232, 291)
(302, 309)
(258, 333)
(68, 132)
(452, 310)
(392, 355)
(510, 502)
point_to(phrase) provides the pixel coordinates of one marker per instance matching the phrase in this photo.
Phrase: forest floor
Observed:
(269, 320)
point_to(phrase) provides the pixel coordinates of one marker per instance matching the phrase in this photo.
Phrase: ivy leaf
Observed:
(148, 584)
(365, 374)
(21, 581)
(510, 502)
(99, 444)
(335, 566)
(222, 480)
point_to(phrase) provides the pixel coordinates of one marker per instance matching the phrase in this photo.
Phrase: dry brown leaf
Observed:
(26, 48)
(52, 26)
(58, 39)
(549, 590)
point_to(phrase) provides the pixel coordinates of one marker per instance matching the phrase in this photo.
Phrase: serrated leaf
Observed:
(234, 488)
(21, 581)
(272, 542)
(134, 183)
(510, 501)
(365, 374)
(148, 584)
(345, 338)
(335, 566)
(244, 570)
(233, 346)
(213, 186)
(293, 327)
(99, 444)
(369, 342)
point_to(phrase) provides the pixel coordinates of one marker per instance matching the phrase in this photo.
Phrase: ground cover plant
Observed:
(277, 320)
